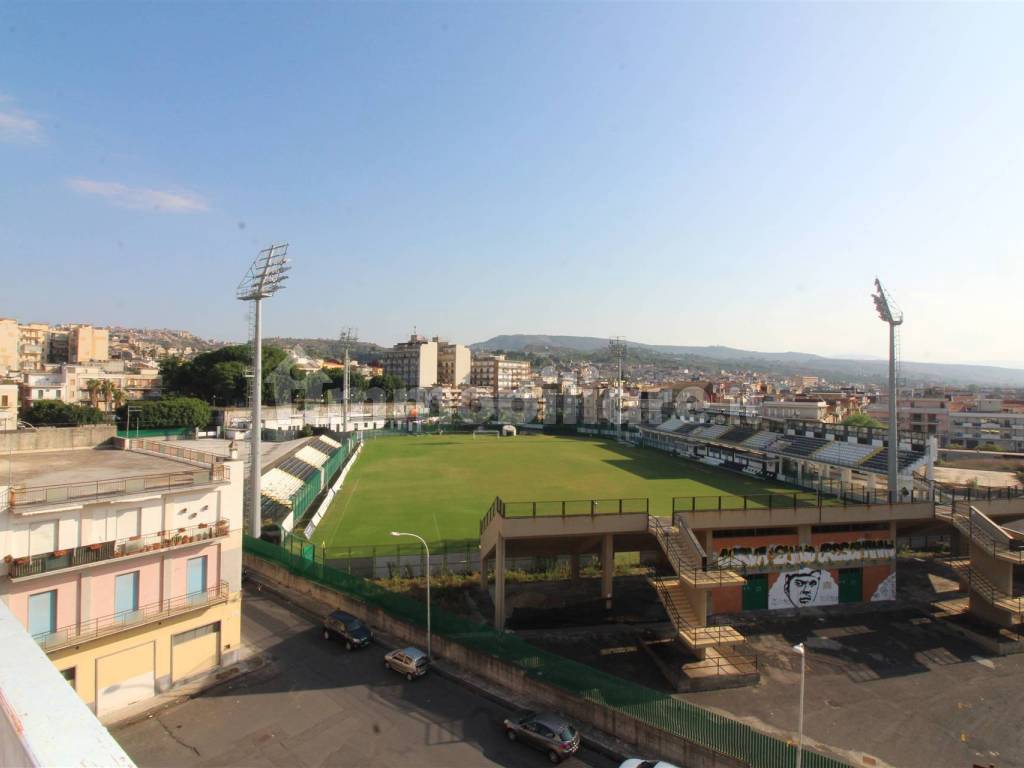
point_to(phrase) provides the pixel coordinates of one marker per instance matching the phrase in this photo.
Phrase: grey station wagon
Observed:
(545, 731)
(411, 662)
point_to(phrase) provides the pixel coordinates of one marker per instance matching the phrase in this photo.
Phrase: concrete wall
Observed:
(647, 739)
(56, 438)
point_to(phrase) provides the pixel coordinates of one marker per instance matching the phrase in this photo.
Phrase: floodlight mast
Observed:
(889, 313)
(265, 277)
(617, 346)
(347, 337)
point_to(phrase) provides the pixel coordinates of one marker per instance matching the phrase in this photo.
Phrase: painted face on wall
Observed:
(802, 587)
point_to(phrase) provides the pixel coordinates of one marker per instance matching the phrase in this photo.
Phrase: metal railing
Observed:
(108, 550)
(987, 534)
(22, 496)
(165, 448)
(977, 581)
(564, 508)
(92, 629)
(688, 558)
(795, 500)
(724, 664)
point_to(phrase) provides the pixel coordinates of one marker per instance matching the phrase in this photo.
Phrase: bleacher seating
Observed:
(280, 485)
(686, 429)
(312, 456)
(844, 454)
(712, 431)
(737, 434)
(798, 445)
(298, 468)
(272, 510)
(670, 425)
(762, 439)
(325, 445)
(880, 461)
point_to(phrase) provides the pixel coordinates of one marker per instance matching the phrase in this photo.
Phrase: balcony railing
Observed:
(165, 448)
(108, 550)
(21, 496)
(92, 629)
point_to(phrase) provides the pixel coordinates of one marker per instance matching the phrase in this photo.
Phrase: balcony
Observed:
(20, 497)
(92, 629)
(108, 550)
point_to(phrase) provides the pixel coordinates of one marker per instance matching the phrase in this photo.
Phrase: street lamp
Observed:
(427, 549)
(799, 648)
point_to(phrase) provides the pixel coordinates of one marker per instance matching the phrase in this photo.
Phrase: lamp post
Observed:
(427, 550)
(799, 648)
(128, 421)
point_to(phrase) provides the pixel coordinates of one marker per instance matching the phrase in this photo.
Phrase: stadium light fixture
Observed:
(890, 313)
(427, 573)
(265, 277)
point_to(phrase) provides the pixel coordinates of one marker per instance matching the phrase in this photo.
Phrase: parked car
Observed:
(411, 662)
(545, 731)
(348, 629)
(636, 762)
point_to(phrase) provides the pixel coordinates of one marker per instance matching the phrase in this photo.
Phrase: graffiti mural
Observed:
(803, 588)
(886, 590)
(797, 554)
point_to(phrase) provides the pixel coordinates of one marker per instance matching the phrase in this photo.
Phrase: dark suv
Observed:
(347, 628)
(545, 731)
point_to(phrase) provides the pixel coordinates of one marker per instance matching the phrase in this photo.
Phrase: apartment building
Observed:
(801, 410)
(8, 405)
(9, 359)
(413, 361)
(498, 374)
(453, 363)
(989, 423)
(124, 564)
(72, 384)
(33, 345)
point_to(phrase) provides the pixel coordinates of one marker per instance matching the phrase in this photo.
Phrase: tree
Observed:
(169, 413)
(219, 376)
(94, 386)
(388, 383)
(55, 413)
(862, 420)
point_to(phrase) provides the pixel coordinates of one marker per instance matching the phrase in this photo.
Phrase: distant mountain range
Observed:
(791, 363)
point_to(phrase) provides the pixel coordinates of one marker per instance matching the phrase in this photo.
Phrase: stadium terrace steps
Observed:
(761, 439)
(737, 434)
(311, 456)
(280, 485)
(842, 453)
(879, 462)
(686, 429)
(976, 581)
(799, 445)
(670, 425)
(712, 432)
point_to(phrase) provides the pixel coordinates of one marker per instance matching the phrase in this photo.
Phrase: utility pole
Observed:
(347, 337)
(617, 346)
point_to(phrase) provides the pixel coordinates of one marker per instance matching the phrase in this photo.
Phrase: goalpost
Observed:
(486, 433)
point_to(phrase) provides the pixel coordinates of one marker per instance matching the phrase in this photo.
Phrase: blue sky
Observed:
(674, 173)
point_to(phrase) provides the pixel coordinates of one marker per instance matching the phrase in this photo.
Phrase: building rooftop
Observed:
(83, 466)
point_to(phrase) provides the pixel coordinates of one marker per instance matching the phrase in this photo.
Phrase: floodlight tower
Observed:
(617, 346)
(348, 337)
(889, 313)
(265, 277)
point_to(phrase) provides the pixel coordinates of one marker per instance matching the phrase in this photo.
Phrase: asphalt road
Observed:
(318, 705)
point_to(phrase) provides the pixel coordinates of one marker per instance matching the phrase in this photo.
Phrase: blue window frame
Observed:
(126, 594)
(42, 613)
(195, 581)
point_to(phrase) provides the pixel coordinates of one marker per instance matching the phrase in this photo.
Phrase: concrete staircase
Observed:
(684, 594)
(980, 584)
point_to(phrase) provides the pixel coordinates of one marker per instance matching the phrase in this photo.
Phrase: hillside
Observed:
(792, 363)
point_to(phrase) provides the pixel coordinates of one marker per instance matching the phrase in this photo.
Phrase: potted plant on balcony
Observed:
(21, 561)
(204, 525)
(58, 553)
(8, 559)
(96, 547)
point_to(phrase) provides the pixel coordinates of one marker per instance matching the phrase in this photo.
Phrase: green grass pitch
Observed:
(439, 486)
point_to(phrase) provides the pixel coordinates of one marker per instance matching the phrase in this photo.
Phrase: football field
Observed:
(439, 486)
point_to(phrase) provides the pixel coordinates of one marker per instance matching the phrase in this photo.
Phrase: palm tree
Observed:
(94, 386)
(107, 389)
(118, 396)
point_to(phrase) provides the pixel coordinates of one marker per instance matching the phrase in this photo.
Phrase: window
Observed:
(195, 582)
(3, 401)
(69, 675)
(42, 613)
(126, 595)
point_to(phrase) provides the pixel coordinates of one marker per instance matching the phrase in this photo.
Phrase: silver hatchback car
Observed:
(545, 731)
(411, 662)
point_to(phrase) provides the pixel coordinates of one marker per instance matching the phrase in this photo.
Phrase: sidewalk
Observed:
(248, 662)
(316, 610)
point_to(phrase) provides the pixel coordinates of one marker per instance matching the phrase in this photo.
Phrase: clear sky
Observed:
(673, 173)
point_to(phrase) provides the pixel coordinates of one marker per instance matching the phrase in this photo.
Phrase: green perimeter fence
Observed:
(303, 498)
(654, 708)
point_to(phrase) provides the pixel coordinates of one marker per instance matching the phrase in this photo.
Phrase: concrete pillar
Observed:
(607, 568)
(574, 566)
(499, 583)
(483, 573)
(803, 533)
(799, 473)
